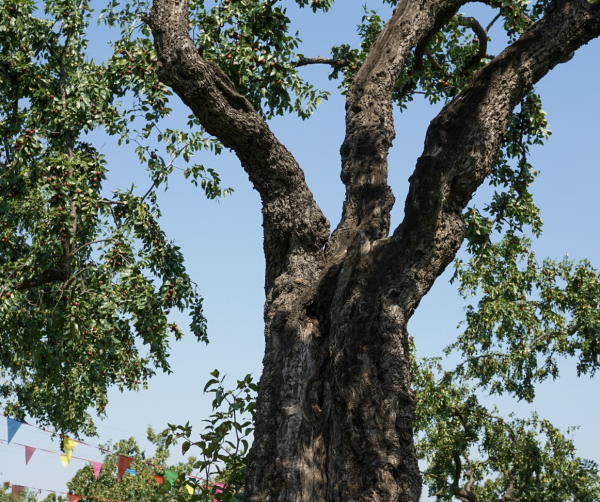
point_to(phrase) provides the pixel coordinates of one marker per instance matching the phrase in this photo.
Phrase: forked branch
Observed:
(369, 120)
(463, 139)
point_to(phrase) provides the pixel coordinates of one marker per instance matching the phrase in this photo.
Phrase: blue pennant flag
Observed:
(131, 471)
(13, 427)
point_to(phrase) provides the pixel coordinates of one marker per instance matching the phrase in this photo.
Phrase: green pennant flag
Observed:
(171, 476)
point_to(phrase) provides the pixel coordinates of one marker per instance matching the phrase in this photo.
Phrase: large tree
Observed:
(335, 408)
(335, 411)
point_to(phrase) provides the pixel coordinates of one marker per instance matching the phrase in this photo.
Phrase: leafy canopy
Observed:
(87, 279)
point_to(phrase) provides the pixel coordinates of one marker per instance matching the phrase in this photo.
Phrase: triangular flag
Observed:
(96, 466)
(28, 452)
(217, 489)
(131, 471)
(73, 498)
(64, 460)
(13, 427)
(16, 491)
(190, 489)
(69, 445)
(158, 479)
(123, 464)
(171, 476)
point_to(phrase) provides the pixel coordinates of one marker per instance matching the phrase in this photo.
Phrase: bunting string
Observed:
(17, 489)
(123, 462)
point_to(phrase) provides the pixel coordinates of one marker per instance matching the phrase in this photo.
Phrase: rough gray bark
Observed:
(335, 405)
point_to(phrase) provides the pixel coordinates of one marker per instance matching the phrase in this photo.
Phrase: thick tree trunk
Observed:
(335, 408)
(335, 405)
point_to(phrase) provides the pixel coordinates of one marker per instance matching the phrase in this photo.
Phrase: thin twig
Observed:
(91, 243)
(487, 29)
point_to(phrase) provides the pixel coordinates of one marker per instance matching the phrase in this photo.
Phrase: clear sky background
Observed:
(222, 244)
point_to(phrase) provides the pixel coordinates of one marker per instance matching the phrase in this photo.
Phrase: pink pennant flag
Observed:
(96, 466)
(16, 491)
(123, 464)
(217, 489)
(73, 498)
(28, 452)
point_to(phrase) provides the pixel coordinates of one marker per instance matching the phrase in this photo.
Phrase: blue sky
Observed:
(222, 243)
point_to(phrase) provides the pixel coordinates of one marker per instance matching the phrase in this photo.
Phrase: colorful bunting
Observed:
(18, 489)
(13, 427)
(96, 466)
(69, 445)
(15, 492)
(28, 452)
(123, 464)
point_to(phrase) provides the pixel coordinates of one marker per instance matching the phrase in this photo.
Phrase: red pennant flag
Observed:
(16, 491)
(123, 464)
(73, 498)
(158, 479)
(28, 452)
(96, 466)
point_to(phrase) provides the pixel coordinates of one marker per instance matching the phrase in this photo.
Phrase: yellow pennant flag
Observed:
(69, 445)
(190, 489)
(64, 460)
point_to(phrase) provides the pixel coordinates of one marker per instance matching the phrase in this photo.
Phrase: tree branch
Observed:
(472, 23)
(321, 60)
(493, 21)
(462, 493)
(457, 470)
(50, 275)
(433, 61)
(369, 120)
(570, 331)
(460, 146)
(509, 489)
(292, 221)
(463, 421)
(90, 244)
(68, 140)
